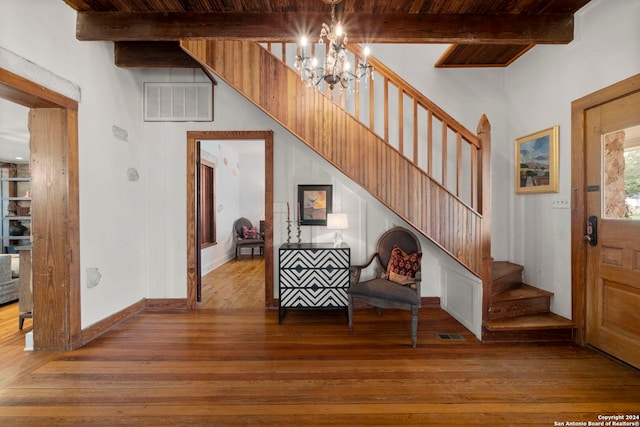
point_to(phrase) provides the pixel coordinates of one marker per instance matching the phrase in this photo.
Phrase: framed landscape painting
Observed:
(314, 203)
(537, 162)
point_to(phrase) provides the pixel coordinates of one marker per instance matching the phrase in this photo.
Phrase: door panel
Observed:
(613, 264)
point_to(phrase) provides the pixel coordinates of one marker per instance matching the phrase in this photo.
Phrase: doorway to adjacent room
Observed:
(193, 246)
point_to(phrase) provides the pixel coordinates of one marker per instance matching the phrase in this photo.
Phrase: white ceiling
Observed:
(14, 132)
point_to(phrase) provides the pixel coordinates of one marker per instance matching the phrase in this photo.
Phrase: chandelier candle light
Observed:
(337, 69)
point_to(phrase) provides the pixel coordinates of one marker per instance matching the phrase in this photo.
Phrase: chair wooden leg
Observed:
(21, 318)
(350, 313)
(414, 325)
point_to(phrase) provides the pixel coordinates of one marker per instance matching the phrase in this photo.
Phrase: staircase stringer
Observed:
(348, 145)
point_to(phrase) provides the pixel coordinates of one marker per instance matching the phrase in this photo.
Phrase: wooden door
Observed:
(613, 254)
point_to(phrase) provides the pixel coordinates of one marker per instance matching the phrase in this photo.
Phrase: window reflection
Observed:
(621, 174)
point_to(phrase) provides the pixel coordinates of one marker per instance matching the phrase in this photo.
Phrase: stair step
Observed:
(520, 301)
(536, 328)
(522, 291)
(531, 322)
(505, 275)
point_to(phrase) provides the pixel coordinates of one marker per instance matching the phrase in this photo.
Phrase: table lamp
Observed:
(337, 221)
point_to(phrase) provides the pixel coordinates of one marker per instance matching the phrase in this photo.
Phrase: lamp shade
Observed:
(337, 221)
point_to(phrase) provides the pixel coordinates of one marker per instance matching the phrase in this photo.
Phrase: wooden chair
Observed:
(381, 292)
(25, 304)
(240, 240)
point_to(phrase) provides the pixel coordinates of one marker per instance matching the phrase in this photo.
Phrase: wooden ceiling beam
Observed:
(163, 54)
(361, 28)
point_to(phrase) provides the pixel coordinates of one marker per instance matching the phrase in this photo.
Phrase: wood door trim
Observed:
(192, 138)
(57, 326)
(578, 196)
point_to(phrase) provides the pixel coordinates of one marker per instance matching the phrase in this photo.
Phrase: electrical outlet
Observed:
(560, 202)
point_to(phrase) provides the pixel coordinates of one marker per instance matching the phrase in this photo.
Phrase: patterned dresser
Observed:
(313, 275)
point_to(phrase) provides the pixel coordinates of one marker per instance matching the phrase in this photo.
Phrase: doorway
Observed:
(232, 186)
(53, 126)
(193, 246)
(605, 246)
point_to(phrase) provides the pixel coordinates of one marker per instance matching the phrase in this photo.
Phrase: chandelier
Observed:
(336, 70)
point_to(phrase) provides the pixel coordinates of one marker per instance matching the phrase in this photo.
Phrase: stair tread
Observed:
(523, 291)
(530, 322)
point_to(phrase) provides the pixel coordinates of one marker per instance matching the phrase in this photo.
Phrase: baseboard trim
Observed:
(94, 331)
(430, 302)
(166, 304)
(150, 304)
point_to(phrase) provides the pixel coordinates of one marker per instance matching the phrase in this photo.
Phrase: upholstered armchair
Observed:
(396, 283)
(246, 235)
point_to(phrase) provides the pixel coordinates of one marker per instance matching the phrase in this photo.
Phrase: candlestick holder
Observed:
(288, 231)
(299, 231)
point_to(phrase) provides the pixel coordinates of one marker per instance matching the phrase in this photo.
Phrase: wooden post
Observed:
(484, 207)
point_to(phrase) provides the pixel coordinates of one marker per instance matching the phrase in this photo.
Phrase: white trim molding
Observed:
(35, 73)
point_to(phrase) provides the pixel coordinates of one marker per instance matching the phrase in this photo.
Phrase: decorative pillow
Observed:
(403, 267)
(249, 233)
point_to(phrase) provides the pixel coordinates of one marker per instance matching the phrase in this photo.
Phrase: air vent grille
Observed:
(450, 337)
(178, 102)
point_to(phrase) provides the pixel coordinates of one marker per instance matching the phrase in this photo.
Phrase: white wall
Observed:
(539, 88)
(252, 185)
(166, 195)
(227, 204)
(134, 232)
(112, 209)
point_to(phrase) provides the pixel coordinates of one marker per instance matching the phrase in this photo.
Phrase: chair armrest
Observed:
(356, 270)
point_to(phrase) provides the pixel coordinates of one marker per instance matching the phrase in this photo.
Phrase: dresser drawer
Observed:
(313, 276)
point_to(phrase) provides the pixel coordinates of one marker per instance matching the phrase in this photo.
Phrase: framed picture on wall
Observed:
(537, 162)
(314, 203)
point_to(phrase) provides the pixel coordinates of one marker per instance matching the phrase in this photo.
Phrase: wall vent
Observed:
(178, 102)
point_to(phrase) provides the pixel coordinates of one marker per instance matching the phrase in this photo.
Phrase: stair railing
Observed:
(422, 132)
(399, 174)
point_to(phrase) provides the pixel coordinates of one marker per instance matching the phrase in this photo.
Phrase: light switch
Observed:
(560, 202)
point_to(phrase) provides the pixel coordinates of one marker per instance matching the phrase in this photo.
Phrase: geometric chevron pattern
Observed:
(313, 276)
(314, 298)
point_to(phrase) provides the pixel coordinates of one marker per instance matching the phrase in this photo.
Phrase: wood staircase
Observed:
(518, 311)
(454, 213)
(448, 202)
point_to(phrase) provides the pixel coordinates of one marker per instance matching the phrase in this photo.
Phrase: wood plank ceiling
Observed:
(482, 33)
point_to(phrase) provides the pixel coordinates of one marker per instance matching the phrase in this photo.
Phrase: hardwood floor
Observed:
(237, 284)
(239, 367)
